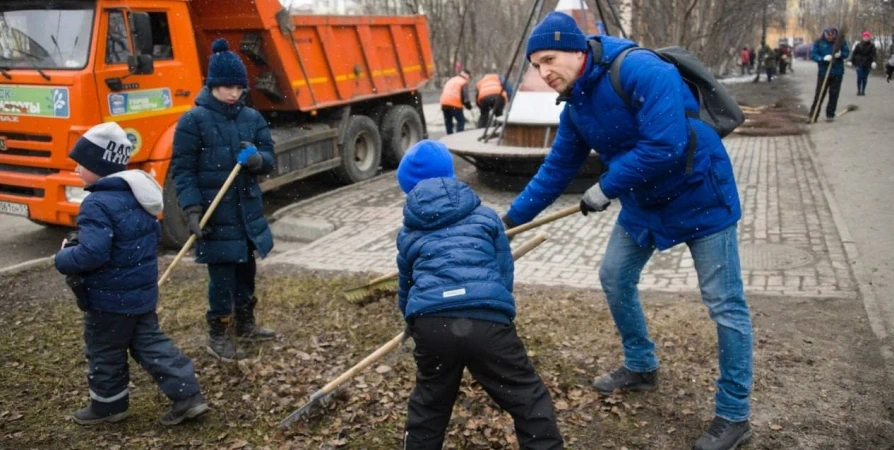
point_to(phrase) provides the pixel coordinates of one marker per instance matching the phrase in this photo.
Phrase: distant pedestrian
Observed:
(752, 57)
(785, 58)
(454, 97)
(863, 59)
(827, 58)
(768, 59)
(889, 64)
(492, 95)
(745, 61)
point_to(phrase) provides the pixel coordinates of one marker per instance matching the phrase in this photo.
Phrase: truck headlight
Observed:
(75, 194)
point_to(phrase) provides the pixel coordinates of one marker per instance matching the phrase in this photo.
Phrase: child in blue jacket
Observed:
(456, 275)
(112, 266)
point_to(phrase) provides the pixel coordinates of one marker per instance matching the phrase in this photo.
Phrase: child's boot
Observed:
(219, 344)
(99, 412)
(185, 409)
(247, 329)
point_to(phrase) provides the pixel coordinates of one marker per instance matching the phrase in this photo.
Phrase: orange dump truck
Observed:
(340, 92)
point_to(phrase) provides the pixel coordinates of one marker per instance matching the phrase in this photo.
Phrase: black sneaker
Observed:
(621, 378)
(723, 435)
(88, 416)
(220, 344)
(185, 409)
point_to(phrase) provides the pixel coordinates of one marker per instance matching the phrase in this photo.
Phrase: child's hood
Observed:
(438, 202)
(145, 189)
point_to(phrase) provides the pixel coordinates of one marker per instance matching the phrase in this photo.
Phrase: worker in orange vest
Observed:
(493, 94)
(454, 97)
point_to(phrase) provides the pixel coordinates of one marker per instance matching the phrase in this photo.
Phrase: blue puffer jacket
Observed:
(453, 255)
(644, 149)
(206, 143)
(821, 48)
(118, 239)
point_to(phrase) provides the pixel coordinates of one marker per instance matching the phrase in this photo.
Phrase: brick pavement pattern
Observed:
(788, 241)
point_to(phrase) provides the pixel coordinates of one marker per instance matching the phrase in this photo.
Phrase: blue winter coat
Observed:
(644, 148)
(821, 48)
(116, 255)
(453, 255)
(206, 142)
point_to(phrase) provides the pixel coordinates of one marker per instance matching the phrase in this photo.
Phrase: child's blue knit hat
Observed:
(225, 67)
(425, 159)
(557, 31)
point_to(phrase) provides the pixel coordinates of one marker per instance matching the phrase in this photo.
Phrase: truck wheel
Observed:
(361, 152)
(401, 128)
(174, 230)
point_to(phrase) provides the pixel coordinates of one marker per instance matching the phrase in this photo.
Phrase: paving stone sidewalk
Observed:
(788, 240)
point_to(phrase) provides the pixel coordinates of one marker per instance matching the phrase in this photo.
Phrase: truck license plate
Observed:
(15, 209)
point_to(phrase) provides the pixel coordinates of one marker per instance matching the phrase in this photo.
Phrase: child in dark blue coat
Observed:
(456, 275)
(112, 266)
(208, 143)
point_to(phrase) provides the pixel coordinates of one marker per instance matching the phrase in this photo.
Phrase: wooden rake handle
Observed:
(208, 212)
(510, 233)
(396, 340)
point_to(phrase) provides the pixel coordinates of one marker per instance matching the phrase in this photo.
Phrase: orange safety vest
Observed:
(453, 92)
(490, 85)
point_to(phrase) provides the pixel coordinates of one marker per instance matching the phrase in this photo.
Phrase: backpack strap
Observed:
(614, 75)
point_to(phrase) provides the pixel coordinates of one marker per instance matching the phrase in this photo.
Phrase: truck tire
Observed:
(361, 151)
(174, 230)
(401, 128)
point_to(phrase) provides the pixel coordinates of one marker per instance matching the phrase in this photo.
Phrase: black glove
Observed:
(468, 106)
(193, 219)
(71, 239)
(507, 222)
(76, 284)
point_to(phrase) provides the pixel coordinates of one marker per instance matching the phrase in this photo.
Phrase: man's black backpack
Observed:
(716, 107)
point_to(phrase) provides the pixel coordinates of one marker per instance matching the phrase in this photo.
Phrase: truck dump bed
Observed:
(309, 62)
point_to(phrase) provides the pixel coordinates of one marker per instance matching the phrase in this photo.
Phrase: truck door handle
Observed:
(182, 93)
(117, 84)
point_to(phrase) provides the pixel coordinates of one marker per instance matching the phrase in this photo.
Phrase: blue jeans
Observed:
(720, 281)
(229, 284)
(862, 78)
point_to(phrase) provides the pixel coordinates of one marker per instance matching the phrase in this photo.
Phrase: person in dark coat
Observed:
(827, 58)
(210, 139)
(112, 266)
(455, 292)
(863, 59)
(645, 147)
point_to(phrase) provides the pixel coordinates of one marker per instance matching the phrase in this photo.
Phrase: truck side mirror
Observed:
(141, 28)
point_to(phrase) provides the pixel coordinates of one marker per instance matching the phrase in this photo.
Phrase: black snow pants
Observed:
(496, 358)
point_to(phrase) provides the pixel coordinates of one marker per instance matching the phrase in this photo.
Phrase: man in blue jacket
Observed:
(112, 267)
(455, 292)
(824, 53)
(207, 146)
(644, 147)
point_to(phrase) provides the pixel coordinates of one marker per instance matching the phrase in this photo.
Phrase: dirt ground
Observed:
(818, 379)
(818, 383)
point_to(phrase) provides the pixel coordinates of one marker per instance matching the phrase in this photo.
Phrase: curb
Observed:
(39, 263)
(880, 320)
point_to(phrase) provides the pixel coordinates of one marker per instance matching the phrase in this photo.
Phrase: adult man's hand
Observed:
(874, 65)
(837, 55)
(594, 200)
(194, 219)
(827, 58)
(850, 64)
(507, 222)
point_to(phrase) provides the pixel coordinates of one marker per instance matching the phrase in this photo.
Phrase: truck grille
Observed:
(28, 170)
(20, 191)
(27, 137)
(23, 152)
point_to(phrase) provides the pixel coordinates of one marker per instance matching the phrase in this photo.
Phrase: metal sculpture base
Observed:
(510, 168)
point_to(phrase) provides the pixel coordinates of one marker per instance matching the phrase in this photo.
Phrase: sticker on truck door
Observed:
(140, 101)
(42, 101)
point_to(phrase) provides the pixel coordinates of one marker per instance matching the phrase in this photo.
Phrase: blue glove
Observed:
(250, 158)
